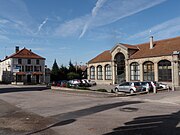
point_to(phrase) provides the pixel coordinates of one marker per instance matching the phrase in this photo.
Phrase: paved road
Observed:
(78, 114)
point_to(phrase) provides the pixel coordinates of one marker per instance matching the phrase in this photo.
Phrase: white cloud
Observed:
(42, 24)
(164, 30)
(94, 12)
(72, 27)
(105, 12)
(16, 16)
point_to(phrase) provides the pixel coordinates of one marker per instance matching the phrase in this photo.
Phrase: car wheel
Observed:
(116, 89)
(131, 91)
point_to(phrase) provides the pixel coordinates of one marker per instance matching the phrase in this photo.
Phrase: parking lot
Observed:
(79, 114)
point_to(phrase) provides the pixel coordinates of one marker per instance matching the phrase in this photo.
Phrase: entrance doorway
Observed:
(37, 79)
(28, 78)
(120, 70)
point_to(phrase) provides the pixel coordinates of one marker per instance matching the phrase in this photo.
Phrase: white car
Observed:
(163, 86)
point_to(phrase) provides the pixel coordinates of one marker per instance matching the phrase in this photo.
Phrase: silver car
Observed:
(130, 87)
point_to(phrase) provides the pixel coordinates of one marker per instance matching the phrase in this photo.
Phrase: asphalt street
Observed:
(63, 113)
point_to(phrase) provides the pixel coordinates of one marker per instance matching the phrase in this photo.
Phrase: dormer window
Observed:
(29, 61)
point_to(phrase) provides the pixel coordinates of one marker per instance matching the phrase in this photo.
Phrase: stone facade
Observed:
(126, 68)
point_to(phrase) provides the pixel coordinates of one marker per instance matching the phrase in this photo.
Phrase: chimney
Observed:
(17, 49)
(151, 42)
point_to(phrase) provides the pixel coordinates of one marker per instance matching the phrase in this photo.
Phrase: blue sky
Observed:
(78, 30)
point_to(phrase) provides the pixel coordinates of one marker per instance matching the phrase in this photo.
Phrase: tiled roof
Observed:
(103, 57)
(130, 46)
(25, 53)
(161, 48)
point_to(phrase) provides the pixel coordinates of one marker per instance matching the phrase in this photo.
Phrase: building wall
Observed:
(103, 64)
(9, 68)
(5, 70)
(174, 59)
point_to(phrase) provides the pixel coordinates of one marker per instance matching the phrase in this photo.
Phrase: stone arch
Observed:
(119, 60)
(92, 72)
(148, 71)
(108, 72)
(134, 71)
(99, 72)
(164, 71)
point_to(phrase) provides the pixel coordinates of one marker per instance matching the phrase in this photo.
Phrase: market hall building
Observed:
(152, 61)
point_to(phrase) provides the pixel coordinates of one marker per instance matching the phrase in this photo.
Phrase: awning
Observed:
(37, 73)
(20, 73)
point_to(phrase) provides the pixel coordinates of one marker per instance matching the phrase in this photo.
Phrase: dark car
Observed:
(150, 85)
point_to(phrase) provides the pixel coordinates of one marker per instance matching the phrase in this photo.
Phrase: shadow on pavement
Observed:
(21, 89)
(70, 117)
(89, 111)
(151, 125)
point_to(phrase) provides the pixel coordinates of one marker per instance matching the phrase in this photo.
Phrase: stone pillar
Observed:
(141, 71)
(175, 74)
(96, 73)
(113, 72)
(156, 71)
(88, 72)
(104, 72)
(127, 70)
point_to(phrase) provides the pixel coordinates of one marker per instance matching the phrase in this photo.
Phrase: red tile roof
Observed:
(103, 57)
(25, 53)
(161, 48)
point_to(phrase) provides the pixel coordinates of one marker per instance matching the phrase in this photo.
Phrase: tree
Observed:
(72, 75)
(63, 71)
(55, 72)
(71, 67)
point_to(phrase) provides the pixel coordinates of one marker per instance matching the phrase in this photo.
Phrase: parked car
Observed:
(163, 86)
(150, 85)
(75, 82)
(91, 82)
(130, 87)
(85, 83)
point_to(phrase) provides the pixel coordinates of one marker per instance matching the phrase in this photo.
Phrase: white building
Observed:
(23, 67)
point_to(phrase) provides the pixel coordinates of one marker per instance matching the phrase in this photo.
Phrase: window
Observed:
(108, 73)
(99, 73)
(37, 62)
(134, 71)
(19, 61)
(164, 71)
(148, 71)
(92, 72)
(37, 68)
(29, 61)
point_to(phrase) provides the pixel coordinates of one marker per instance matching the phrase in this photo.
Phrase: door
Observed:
(37, 79)
(28, 78)
(120, 66)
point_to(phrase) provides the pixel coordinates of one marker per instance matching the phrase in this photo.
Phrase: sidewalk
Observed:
(167, 97)
(14, 121)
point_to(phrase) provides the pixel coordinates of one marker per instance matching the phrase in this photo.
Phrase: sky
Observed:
(79, 30)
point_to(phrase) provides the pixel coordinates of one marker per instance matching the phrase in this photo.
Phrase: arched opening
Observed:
(148, 71)
(120, 67)
(92, 72)
(108, 73)
(99, 73)
(135, 71)
(164, 71)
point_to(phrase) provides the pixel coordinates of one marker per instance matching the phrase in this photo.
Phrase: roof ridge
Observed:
(158, 40)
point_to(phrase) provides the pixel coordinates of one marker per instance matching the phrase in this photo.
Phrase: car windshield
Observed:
(137, 84)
